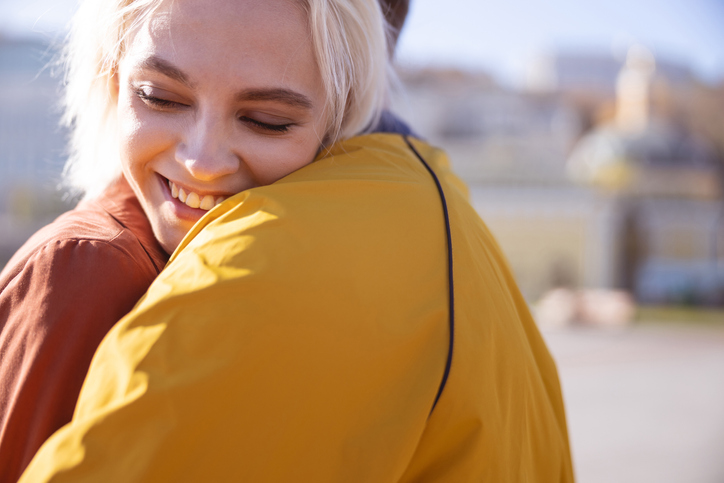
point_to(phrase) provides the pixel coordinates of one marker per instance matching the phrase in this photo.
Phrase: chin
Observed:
(168, 229)
(171, 242)
(169, 239)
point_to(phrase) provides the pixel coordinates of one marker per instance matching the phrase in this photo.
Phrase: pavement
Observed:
(645, 403)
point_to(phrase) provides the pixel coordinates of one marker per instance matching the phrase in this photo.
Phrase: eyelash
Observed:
(164, 103)
(278, 128)
(157, 102)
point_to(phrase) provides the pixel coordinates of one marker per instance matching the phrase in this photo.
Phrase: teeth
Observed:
(207, 203)
(194, 200)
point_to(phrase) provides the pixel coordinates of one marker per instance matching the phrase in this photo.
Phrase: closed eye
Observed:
(277, 128)
(157, 102)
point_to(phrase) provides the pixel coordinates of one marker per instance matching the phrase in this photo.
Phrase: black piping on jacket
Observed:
(451, 291)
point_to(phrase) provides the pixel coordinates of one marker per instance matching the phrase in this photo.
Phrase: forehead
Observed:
(229, 16)
(212, 37)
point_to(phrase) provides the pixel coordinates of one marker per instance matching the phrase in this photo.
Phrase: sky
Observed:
(502, 36)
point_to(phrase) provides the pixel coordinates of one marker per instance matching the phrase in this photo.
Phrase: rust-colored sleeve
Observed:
(56, 311)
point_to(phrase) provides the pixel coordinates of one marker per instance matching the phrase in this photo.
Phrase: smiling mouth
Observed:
(194, 200)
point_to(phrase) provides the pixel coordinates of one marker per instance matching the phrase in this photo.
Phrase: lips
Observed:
(194, 200)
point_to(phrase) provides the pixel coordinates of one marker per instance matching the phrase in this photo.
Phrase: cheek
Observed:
(140, 137)
(270, 161)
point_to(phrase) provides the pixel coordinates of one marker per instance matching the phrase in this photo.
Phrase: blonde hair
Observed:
(349, 37)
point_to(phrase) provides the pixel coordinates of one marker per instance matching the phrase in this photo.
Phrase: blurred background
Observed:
(591, 135)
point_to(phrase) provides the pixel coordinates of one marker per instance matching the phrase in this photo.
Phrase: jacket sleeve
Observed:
(54, 312)
(301, 335)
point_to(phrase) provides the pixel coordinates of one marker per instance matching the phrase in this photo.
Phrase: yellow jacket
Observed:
(302, 332)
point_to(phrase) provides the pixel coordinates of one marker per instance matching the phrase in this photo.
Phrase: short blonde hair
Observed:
(349, 38)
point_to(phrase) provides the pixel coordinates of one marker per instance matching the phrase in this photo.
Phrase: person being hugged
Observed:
(173, 108)
(342, 315)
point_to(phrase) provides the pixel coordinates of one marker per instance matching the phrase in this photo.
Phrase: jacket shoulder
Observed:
(86, 232)
(59, 296)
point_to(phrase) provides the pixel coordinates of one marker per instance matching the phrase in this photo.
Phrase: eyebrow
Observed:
(167, 69)
(279, 94)
(285, 96)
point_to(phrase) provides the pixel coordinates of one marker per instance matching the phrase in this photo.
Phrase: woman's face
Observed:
(215, 97)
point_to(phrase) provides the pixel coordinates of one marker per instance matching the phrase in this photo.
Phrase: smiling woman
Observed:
(195, 128)
(174, 107)
(334, 310)
(273, 54)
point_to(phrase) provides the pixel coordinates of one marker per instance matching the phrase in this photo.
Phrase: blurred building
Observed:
(492, 134)
(592, 72)
(31, 142)
(668, 183)
(630, 199)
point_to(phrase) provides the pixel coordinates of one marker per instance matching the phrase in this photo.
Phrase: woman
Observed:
(349, 319)
(352, 321)
(170, 115)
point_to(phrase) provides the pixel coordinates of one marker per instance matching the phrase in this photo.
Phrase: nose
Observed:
(206, 149)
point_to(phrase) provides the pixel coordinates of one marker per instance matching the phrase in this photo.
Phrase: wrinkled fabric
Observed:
(59, 296)
(301, 333)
